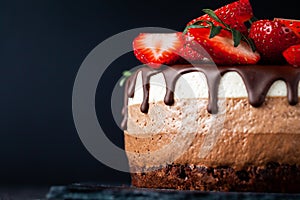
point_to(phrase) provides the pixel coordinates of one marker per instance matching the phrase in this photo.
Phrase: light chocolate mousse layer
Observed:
(239, 137)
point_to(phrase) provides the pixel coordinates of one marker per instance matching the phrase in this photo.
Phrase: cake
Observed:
(226, 123)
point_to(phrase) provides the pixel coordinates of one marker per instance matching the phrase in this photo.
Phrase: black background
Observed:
(42, 45)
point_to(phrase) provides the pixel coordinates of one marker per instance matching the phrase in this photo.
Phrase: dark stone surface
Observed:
(94, 191)
(23, 192)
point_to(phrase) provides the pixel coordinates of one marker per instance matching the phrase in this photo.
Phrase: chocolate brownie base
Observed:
(273, 177)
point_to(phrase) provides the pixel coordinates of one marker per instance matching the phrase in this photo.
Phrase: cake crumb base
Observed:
(274, 177)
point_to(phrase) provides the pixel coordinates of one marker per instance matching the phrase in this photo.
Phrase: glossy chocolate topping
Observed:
(257, 79)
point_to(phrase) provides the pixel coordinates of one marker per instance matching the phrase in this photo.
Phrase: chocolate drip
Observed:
(292, 90)
(257, 79)
(171, 75)
(146, 75)
(125, 106)
(213, 78)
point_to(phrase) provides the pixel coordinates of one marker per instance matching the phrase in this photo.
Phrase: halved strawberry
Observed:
(234, 14)
(291, 23)
(292, 55)
(155, 49)
(188, 54)
(271, 38)
(221, 47)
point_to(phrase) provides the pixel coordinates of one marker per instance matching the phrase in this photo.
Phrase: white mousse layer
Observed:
(193, 85)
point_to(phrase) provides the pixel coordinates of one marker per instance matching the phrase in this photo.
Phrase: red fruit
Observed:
(292, 55)
(221, 48)
(271, 38)
(155, 49)
(291, 23)
(188, 54)
(233, 14)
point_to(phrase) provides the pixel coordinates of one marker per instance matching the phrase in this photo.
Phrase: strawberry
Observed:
(156, 49)
(233, 14)
(292, 55)
(188, 54)
(291, 23)
(221, 47)
(271, 38)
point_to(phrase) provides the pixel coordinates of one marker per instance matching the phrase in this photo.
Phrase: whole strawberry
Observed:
(271, 38)
(292, 55)
(291, 23)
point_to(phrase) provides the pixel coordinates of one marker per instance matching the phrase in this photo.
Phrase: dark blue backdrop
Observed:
(42, 45)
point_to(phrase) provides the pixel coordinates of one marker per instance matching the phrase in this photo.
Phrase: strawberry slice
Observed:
(292, 55)
(221, 47)
(156, 49)
(234, 14)
(294, 25)
(271, 38)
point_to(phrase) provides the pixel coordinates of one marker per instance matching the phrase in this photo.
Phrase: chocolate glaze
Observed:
(257, 79)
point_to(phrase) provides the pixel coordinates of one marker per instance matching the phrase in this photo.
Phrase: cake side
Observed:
(166, 142)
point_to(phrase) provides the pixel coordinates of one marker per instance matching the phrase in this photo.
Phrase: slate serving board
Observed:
(85, 191)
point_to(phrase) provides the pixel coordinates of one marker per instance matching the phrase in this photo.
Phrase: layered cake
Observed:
(222, 116)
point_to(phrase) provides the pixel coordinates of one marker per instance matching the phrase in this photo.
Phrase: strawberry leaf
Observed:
(126, 75)
(237, 36)
(251, 43)
(212, 14)
(122, 81)
(193, 26)
(215, 30)
(253, 19)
